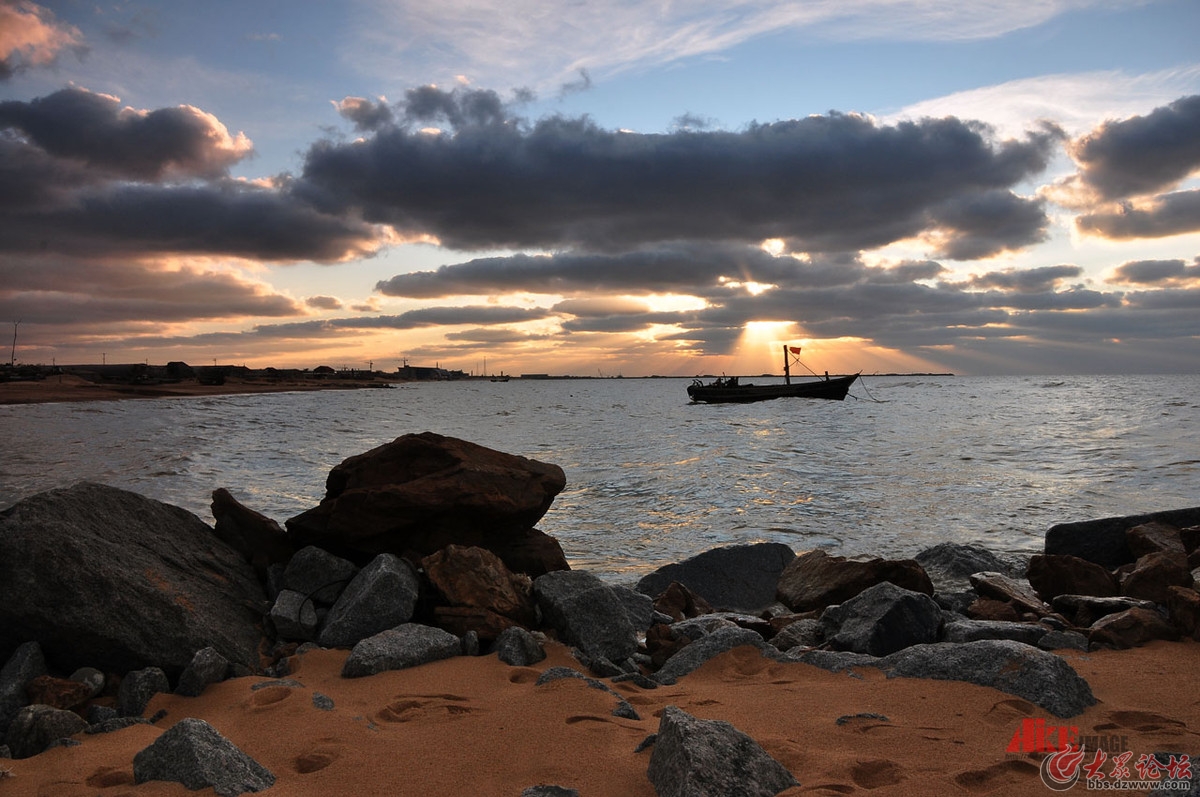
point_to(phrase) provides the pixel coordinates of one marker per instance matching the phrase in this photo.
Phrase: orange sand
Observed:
(475, 726)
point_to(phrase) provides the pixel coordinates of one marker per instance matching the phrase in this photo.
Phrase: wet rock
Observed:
(409, 645)
(208, 666)
(1153, 573)
(1104, 541)
(259, 540)
(586, 613)
(193, 753)
(1130, 629)
(519, 648)
(422, 492)
(1052, 575)
(736, 577)
(122, 582)
(815, 579)
(710, 758)
(380, 596)
(881, 620)
(34, 728)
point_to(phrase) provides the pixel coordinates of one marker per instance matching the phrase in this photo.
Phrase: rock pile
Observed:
(425, 548)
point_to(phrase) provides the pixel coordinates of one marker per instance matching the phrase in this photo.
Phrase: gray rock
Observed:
(1083, 610)
(624, 707)
(107, 578)
(950, 564)
(322, 701)
(1018, 669)
(318, 574)
(735, 577)
(549, 791)
(705, 648)
(696, 627)
(206, 667)
(138, 687)
(710, 758)
(294, 616)
(25, 664)
(638, 606)
(382, 596)
(802, 633)
(1103, 541)
(832, 660)
(881, 620)
(34, 728)
(92, 677)
(1063, 640)
(517, 647)
(973, 630)
(193, 753)
(97, 714)
(587, 613)
(408, 645)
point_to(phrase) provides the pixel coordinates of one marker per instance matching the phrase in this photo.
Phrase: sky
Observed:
(603, 187)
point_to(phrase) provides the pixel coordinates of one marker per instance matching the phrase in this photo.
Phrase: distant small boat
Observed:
(500, 378)
(729, 390)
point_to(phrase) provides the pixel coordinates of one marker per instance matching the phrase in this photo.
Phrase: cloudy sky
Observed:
(603, 186)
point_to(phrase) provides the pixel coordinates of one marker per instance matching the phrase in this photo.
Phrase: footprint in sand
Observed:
(587, 718)
(269, 696)
(1006, 712)
(319, 757)
(1143, 722)
(407, 709)
(106, 777)
(523, 675)
(875, 773)
(1006, 773)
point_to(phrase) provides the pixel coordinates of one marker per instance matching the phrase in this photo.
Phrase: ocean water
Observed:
(904, 463)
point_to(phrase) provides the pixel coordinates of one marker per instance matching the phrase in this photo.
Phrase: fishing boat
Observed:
(729, 389)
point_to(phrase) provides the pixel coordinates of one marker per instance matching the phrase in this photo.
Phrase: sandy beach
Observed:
(476, 726)
(66, 387)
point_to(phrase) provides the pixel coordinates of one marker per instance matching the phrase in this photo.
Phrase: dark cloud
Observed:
(1031, 280)
(324, 302)
(459, 108)
(1169, 214)
(1143, 154)
(365, 114)
(831, 183)
(584, 83)
(144, 145)
(1156, 272)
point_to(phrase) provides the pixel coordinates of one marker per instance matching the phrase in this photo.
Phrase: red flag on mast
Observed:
(794, 349)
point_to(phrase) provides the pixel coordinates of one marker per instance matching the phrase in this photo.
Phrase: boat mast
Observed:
(787, 371)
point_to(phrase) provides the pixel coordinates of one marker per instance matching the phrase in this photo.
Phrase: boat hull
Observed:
(834, 388)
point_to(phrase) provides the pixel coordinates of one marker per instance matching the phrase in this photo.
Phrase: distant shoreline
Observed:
(65, 387)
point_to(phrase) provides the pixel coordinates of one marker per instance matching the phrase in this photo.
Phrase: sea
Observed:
(905, 462)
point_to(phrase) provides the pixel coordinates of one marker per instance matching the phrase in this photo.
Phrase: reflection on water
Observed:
(653, 479)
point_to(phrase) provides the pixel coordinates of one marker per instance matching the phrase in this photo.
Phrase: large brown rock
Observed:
(815, 579)
(475, 578)
(1154, 537)
(422, 492)
(1059, 574)
(1153, 573)
(1130, 629)
(1184, 607)
(260, 540)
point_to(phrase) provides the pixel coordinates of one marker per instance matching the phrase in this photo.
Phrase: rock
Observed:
(34, 728)
(23, 666)
(805, 632)
(706, 647)
(294, 616)
(549, 791)
(519, 648)
(1018, 669)
(138, 687)
(736, 578)
(382, 595)
(422, 492)
(679, 602)
(949, 565)
(93, 678)
(1184, 607)
(1017, 592)
(1084, 610)
(318, 575)
(992, 610)
(974, 630)
(477, 578)
(46, 690)
(1154, 537)
(1052, 575)
(206, 667)
(881, 620)
(1104, 541)
(1153, 573)
(710, 758)
(623, 709)
(260, 540)
(409, 645)
(815, 579)
(586, 613)
(638, 605)
(193, 753)
(1130, 629)
(1063, 640)
(122, 582)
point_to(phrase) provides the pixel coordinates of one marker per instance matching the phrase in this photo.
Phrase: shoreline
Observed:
(68, 388)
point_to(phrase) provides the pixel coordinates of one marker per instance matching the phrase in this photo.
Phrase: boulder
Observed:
(193, 753)
(1153, 573)
(35, 727)
(207, 667)
(408, 645)
(710, 758)
(815, 579)
(260, 540)
(623, 708)
(318, 575)
(881, 620)
(1018, 593)
(992, 610)
(586, 613)
(805, 632)
(974, 630)
(107, 578)
(519, 648)
(678, 602)
(1104, 541)
(294, 616)
(1063, 640)
(422, 492)
(1184, 607)
(736, 577)
(1130, 629)
(696, 653)
(46, 690)
(1052, 575)
(137, 688)
(23, 666)
(638, 605)
(474, 577)
(544, 790)
(1154, 537)
(949, 565)
(382, 595)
